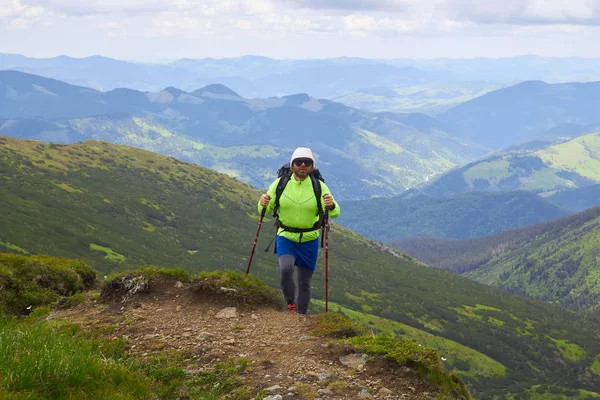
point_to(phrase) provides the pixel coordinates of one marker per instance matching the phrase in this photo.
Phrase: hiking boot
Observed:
(291, 308)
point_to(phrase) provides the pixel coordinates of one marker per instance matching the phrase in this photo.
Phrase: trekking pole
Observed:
(262, 215)
(326, 261)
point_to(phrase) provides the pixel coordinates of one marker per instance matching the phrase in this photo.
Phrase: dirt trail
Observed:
(282, 354)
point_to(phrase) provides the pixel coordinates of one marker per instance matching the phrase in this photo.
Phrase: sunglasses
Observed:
(306, 161)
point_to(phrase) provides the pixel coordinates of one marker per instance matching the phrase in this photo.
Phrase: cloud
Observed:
(16, 15)
(353, 5)
(524, 12)
(139, 7)
(484, 12)
(82, 8)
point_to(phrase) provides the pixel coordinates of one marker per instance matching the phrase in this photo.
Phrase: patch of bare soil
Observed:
(285, 361)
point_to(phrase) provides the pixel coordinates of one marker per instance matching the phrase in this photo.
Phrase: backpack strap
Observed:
(316, 184)
(283, 181)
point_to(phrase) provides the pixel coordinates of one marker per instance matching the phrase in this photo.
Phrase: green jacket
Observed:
(298, 207)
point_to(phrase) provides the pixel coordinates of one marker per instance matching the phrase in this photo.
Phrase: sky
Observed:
(164, 30)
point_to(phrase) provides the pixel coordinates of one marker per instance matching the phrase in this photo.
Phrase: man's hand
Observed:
(328, 201)
(264, 200)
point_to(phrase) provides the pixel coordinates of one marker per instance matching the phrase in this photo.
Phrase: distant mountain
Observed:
(119, 207)
(217, 89)
(521, 112)
(252, 76)
(362, 154)
(542, 167)
(245, 74)
(431, 98)
(578, 199)
(98, 72)
(556, 261)
(519, 68)
(457, 217)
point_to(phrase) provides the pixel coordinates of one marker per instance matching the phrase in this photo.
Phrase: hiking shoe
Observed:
(291, 308)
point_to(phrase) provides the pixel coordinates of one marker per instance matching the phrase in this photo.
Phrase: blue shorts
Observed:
(305, 253)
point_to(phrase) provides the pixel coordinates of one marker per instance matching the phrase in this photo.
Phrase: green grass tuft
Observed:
(234, 286)
(337, 326)
(39, 362)
(408, 353)
(31, 281)
(122, 286)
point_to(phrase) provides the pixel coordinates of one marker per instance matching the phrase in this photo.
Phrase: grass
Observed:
(243, 290)
(39, 362)
(571, 351)
(124, 285)
(111, 255)
(399, 351)
(595, 368)
(227, 284)
(337, 326)
(408, 353)
(13, 247)
(31, 281)
(466, 361)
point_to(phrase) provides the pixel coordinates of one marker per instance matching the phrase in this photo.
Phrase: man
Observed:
(298, 212)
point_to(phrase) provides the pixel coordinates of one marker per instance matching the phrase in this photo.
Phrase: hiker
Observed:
(298, 221)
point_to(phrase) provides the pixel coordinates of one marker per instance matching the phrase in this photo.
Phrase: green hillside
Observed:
(369, 154)
(522, 112)
(566, 165)
(462, 216)
(430, 98)
(577, 199)
(556, 261)
(119, 207)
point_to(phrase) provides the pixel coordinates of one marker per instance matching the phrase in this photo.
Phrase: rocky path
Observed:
(286, 362)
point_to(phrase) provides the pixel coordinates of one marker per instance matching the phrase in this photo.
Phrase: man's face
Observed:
(302, 167)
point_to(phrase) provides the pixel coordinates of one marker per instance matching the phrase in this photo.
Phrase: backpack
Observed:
(285, 174)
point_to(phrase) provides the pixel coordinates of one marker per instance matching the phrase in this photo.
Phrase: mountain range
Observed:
(461, 216)
(252, 76)
(361, 154)
(541, 167)
(119, 207)
(256, 76)
(556, 261)
(521, 112)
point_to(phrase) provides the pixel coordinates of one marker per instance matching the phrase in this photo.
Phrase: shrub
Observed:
(31, 281)
(244, 290)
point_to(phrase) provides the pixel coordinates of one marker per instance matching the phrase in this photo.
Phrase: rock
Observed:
(187, 334)
(384, 392)
(224, 289)
(356, 361)
(273, 388)
(178, 285)
(326, 376)
(229, 312)
(254, 316)
(325, 392)
(151, 336)
(178, 308)
(364, 394)
(204, 335)
(274, 397)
